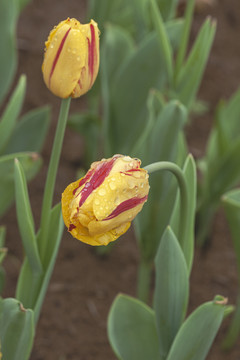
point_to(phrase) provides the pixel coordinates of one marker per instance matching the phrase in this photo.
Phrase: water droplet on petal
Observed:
(96, 201)
(102, 192)
(112, 186)
(117, 201)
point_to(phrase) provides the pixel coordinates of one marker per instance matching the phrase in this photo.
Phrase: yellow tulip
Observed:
(99, 207)
(71, 58)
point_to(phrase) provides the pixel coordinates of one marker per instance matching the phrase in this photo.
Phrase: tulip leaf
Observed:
(163, 40)
(8, 59)
(31, 288)
(88, 126)
(31, 163)
(187, 243)
(25, 218)
(189, 77)
(162, 146)
(171, 290)
(117, 45)
(131, 329)
(231, 204)
(197, 333)
(167, 8)
(30, 132)
(10, 115)
(16, 330)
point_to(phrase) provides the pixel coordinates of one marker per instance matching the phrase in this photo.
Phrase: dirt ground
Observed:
(72, 325)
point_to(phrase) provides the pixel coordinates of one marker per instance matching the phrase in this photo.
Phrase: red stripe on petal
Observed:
(126, 205)
(71, 227)
(58, 54)
(99, 175)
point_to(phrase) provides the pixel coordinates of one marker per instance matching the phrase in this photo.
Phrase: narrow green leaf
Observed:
(190, 75)
(16, 330)
(197, 333)
(162, 146)
(30, 132)
(25, 219)
(187, 244)
(8, 19)
(138, 75)
(185, 36)
(31, 163)
(10, 115)
(2, 235)
(88, 126)
(31, 288)
(171, 290)
(231, 204)
(167, 8)
(131, 329)
(164, 43)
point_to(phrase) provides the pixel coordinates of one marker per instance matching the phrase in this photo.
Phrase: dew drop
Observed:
(51, 46)
(112, 185)
(74, 51)
(96, 201)
(102, 192)
(78, 58)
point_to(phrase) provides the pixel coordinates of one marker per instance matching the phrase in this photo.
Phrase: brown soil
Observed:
(73, 320)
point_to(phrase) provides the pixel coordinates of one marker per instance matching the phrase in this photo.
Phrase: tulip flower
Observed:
(99, 207)
(71, 58)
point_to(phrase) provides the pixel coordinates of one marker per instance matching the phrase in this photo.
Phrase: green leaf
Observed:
(197, 333)
(30, 132)
(88, 126)
(16, 330)
(163, 40)
(9, 118)
(162, 146)
(131, 329)
(138, 75)
(117, 45)
(8, 60)
(31, 288)
(187, 244)
(25, 219)
(2, 236)
(190, 75)
(171, 290)
(167, 8)
(31, 163)
(231, 204)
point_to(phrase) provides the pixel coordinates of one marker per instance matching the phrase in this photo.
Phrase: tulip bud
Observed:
(71, 58)
(99, 207)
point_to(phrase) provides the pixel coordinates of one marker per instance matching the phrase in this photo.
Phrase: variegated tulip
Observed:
(99, 207)
(71, 58)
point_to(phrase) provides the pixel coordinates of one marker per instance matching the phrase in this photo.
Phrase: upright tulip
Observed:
(71, 58)
(99, 207)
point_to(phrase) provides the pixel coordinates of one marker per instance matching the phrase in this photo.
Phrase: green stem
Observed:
(51, 175)
(177, 171)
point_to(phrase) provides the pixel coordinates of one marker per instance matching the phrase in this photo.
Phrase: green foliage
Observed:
(137, 332)
(132, 330)
(171, 290)
(20, 139)
(16, 330)
(25, 219)
(231, 204)
(8, 59)
(197, 333)
(31, 163)
(220, 167)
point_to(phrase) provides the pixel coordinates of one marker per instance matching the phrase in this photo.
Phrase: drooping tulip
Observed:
(99, 207)
(71, 58)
